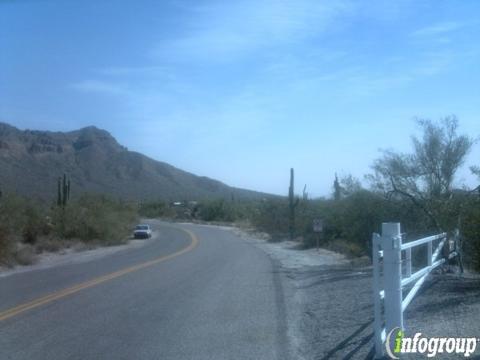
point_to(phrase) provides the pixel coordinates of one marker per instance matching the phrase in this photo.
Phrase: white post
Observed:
(377, 312)
(429, 254)
(408, 262)
(392, 276)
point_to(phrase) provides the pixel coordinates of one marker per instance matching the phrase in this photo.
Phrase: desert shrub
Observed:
(348, 222)
(271, 216)
(351, 219)
(470, 231)
(5, 245)
(49, 244)
(12, 212)
(348, 248)
(33, 225)
(155, 209)
(12, 220)
(24, 255)
(355, 218)
(215, 210)
(94, 217)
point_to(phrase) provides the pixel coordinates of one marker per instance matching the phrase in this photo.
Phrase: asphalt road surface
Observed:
(195, 292)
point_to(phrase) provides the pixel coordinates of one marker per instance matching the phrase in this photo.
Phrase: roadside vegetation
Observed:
(155, 209)
(416, 189)
(28, 228)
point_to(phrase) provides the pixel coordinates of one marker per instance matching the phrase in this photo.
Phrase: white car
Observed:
(142, 231)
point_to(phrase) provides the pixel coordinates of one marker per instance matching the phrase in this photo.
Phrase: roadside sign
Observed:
(317, 225)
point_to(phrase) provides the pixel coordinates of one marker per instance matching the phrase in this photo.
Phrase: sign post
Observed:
(318, 228)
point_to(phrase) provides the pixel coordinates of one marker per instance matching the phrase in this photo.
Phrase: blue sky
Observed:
(243, 90)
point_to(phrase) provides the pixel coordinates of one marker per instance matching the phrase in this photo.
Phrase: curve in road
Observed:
(224, 300)
(96, 281)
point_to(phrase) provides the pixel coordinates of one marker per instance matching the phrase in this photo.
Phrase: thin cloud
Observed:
(227, 31)
(98, 86)
(135, 71)
(435, 62)
(437, 29)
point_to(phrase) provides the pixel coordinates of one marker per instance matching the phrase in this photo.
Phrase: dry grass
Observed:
(24, 255)
(5, 247)
(48, 244)
(347, 248)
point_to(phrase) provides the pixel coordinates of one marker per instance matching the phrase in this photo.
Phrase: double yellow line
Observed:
(88, 284)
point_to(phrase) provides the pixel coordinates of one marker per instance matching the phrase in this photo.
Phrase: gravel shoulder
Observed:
(331, 308)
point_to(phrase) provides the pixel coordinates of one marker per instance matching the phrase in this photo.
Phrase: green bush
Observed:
(215, 210)
(91, 218)
(348, 222)
(155, 209)
(470, 231)
(34, 225)
(24, 255)
(347, 248)
(11, 219)
(271, 216)
(5, 245)
(94, 217)
(355, 218)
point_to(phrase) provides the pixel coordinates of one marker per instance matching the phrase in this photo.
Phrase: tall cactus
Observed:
(63, 190)
(292, 204)
(337, 189)
(305, 193)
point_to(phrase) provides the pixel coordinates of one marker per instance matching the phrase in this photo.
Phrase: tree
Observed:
(337, 189)
(349, 185)
(475, 170)
(345, 186)
(425, 177)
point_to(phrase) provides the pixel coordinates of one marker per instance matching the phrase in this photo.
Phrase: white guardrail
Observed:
(388, 285)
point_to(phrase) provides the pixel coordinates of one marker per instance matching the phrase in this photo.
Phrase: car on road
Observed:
(142, 231)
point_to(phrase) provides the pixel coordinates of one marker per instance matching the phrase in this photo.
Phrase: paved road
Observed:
(200, 295)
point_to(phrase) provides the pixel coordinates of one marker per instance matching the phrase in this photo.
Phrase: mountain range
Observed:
(31, 161)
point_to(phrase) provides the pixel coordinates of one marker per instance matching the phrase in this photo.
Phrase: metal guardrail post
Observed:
(392, 277)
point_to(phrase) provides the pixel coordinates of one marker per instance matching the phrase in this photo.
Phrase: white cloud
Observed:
(439, 29)
(98, 86)
(227, 31)
(135, 70)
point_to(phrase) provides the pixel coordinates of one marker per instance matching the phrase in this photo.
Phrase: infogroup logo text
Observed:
(430, 347)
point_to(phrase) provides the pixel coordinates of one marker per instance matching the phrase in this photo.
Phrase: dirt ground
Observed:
(333, 313)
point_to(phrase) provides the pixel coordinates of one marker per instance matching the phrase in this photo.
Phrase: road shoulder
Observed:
(330, 307)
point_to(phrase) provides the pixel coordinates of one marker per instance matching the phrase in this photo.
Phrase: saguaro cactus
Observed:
(292, 204)
(305, 193)
(59, 192)
(337, 189)
(63, 190)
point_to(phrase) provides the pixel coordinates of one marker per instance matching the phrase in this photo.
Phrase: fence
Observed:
(387, 250)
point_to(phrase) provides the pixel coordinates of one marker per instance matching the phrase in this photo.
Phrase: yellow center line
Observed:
(96, 281)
